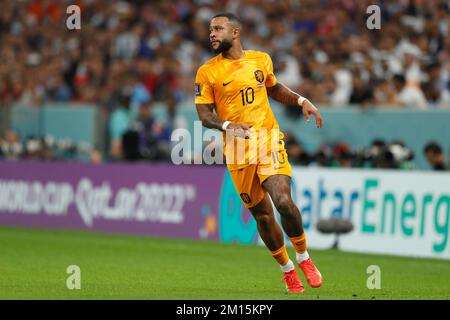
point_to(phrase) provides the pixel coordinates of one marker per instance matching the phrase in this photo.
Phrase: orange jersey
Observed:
(237, 88)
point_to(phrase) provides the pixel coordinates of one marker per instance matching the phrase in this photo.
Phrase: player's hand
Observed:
(307, 109)
(239, 129)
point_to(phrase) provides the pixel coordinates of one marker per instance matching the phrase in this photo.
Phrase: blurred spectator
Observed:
(368, 157)
(296, 152)
(343, 156)
(171, 110)
(95, 156)
(146, 138)
(385, 160)
(385, 94)
(138, 94)
(410, 95)
(403, 156)
(288, 71)
(37, 149)
(362, 92)
(323, 157)
(10, 146)
(435, 156)
(118, 125)
(436, 88)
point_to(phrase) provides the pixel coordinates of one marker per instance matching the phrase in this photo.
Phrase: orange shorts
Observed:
(248, 181)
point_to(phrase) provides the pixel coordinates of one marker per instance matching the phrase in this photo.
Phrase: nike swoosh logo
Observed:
(227, 83)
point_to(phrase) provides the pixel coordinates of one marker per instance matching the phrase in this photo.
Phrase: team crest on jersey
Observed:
(246, 198)
(198, 91)
(259, 75)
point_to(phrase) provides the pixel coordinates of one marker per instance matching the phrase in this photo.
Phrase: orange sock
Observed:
(299, 243)
(281, 255)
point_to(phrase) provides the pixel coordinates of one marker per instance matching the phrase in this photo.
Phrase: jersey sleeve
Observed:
(204, 93)
(271, 80)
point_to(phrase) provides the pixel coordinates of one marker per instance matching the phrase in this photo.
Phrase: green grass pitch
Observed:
(33, 265)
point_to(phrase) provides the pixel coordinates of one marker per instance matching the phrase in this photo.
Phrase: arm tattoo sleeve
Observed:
(283, 94)
(208, 117)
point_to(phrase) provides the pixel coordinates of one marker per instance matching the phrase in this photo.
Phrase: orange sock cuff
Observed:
(281, 255)
(299, 243)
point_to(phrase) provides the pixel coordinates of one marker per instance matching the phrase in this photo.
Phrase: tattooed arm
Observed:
(210, 120)
(284, 95)
(208, 117)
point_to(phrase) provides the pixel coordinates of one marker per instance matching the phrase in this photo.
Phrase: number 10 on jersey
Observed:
(247, 95)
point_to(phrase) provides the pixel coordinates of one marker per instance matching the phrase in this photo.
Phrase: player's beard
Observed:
(224, 45)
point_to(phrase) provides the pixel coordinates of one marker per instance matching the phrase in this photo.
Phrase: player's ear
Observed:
(236, 33)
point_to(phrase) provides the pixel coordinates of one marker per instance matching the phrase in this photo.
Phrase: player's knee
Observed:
(284, 205)
(264, 219)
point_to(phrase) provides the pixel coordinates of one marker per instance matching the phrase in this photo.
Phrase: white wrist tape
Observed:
(225, 125)
(301, 100)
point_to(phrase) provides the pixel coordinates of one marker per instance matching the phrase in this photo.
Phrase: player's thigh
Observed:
(278, 185)
(248, 186)
(263, 210)
(275, 177)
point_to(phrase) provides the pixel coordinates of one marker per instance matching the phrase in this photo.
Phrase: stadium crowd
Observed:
(151, 49)
(130, 54)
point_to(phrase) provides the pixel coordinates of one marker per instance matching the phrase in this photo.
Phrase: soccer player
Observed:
(231, 94)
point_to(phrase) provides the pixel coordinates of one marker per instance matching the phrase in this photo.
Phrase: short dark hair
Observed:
(231, 17)
(432, 147)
